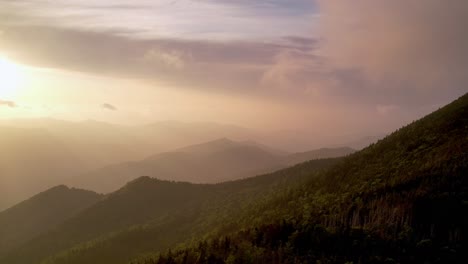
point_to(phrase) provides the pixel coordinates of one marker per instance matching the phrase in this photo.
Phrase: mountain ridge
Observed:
(148, 203)
(214, 161)
(373, 206)
(41, 213)
(402, 199)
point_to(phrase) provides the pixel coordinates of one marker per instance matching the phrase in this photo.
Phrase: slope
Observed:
(401, 200)
(41, 213)
(322, 153)
(148, 211)
(210, 162)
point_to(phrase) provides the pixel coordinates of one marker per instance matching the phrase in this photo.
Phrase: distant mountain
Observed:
(100, 143)
(210, 162)
(177, 134)
(209, 147)
(32, 160)
(46, 152)
(96, 143)
(41, 213)
(400, 200)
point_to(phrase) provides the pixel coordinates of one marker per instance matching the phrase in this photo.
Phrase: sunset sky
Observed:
(339, 66)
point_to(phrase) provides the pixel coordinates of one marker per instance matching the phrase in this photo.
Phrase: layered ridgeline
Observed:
(41, 213)
(210, 162)
(55, 150)
(32, 160)
(149, 214)
(403, 199)
(95, 155)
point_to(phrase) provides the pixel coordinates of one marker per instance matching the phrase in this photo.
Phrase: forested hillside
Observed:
(233, 132)
(402, 200)
(149, 213)
(41, 213)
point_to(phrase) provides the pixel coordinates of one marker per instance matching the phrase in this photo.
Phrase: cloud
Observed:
(218, 46)
(295, 7)
(233, 66)
(172, 58)
(109, 107)
(387, 52)
(10, 104)
(182, 19)
(412, 44)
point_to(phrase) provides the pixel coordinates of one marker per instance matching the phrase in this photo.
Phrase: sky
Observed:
(360, 67)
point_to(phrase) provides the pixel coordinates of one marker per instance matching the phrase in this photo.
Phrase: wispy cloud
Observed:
(227, 46)
(293, 50)
(224, 66)
(187, 19)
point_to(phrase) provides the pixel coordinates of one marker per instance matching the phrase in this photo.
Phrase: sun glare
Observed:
(10, 77)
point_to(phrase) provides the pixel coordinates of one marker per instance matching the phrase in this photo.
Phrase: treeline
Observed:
(289, 243)
(402, 200)
(207, 209)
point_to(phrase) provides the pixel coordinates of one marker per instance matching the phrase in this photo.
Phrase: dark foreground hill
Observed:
(401, 200)
(41, 213)
(150, 214)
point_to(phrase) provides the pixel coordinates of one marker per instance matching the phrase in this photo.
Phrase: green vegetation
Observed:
(150, 214)
(41, 213)
(401, 200)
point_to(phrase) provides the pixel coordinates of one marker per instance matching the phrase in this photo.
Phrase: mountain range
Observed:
(40, 153)
(210, 162)
(400, 200)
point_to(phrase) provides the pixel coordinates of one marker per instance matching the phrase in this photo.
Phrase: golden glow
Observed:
(10, 78)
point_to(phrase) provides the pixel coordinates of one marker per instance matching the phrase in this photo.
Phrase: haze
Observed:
(293, 75)
(269, 65)
(233, 131)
